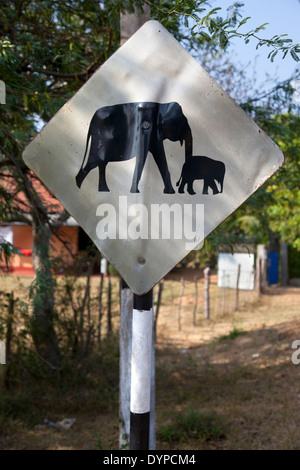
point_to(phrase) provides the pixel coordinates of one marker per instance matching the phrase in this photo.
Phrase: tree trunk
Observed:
(41, 321)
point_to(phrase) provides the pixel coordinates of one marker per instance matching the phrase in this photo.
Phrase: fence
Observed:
(88, 309)
(203, 297)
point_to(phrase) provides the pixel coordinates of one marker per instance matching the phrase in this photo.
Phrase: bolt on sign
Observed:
(150, 156)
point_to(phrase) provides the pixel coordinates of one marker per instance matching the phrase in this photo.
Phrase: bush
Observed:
(294, 262)
(193, 424)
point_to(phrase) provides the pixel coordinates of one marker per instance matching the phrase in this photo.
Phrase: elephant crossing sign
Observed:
(150, 156)
(132, 130)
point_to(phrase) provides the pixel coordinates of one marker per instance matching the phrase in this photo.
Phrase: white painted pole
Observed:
(141, 373)
(141, 361)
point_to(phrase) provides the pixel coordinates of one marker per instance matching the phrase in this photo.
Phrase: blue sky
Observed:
(283, 17)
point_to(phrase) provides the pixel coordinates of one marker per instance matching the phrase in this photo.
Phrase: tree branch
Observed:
(16, 217)
(88, 70)
(59, 219)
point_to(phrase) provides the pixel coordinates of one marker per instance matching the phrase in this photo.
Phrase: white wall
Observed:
(6, 234)
(228, 268)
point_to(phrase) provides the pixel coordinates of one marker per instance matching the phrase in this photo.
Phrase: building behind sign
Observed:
(228, 270)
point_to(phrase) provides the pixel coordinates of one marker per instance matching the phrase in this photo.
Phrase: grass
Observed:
(85, 387)
(191, 424)
(232, 335)
(226, 397)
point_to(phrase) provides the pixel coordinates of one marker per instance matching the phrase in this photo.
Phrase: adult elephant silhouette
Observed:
(124, 131)
(200, 167)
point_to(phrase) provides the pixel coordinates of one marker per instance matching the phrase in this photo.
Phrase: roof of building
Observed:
(47, 198)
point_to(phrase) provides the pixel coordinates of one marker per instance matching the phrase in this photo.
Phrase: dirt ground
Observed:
(237, 365)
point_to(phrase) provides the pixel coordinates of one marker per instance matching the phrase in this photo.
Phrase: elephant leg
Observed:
(182, 185)
(213, 186)
(139, 166)
(102, 178)
(190, 187)
(210, 182)
(205, 186)
(142, 153)
(80, 177)
(159, 156)
(82, 174)
(221, 185)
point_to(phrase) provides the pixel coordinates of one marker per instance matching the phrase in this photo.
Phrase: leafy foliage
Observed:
(273, 210)
(205, 24)
(6, 250)
(48, 49)
(284, 208)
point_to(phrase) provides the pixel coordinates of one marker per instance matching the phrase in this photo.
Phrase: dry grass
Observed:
(236, 365)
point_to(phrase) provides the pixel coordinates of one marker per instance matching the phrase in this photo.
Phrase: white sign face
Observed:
(228, 270)
(150, 156)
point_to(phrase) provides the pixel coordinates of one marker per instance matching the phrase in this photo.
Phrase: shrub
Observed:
(193, 424)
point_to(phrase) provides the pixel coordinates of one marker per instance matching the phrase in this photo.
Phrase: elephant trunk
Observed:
(188, 143)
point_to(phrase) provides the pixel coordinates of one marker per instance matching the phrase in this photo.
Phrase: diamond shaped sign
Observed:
(150, 156)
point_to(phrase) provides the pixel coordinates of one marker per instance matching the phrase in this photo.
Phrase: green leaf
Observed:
(294, 55)
(214, 10)
(273, 55)
(244, 21)
(259, 28)
(285, 53)
(223, 39)
(205, 36)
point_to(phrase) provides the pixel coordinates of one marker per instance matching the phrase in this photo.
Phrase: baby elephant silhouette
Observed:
(201, 168)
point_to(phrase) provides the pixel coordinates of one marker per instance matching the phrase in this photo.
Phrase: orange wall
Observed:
(69, 235)
(22, 239)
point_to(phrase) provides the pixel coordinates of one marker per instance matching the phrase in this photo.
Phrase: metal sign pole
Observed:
(142, 326)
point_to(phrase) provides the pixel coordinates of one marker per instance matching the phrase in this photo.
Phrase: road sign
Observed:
(150, 156)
